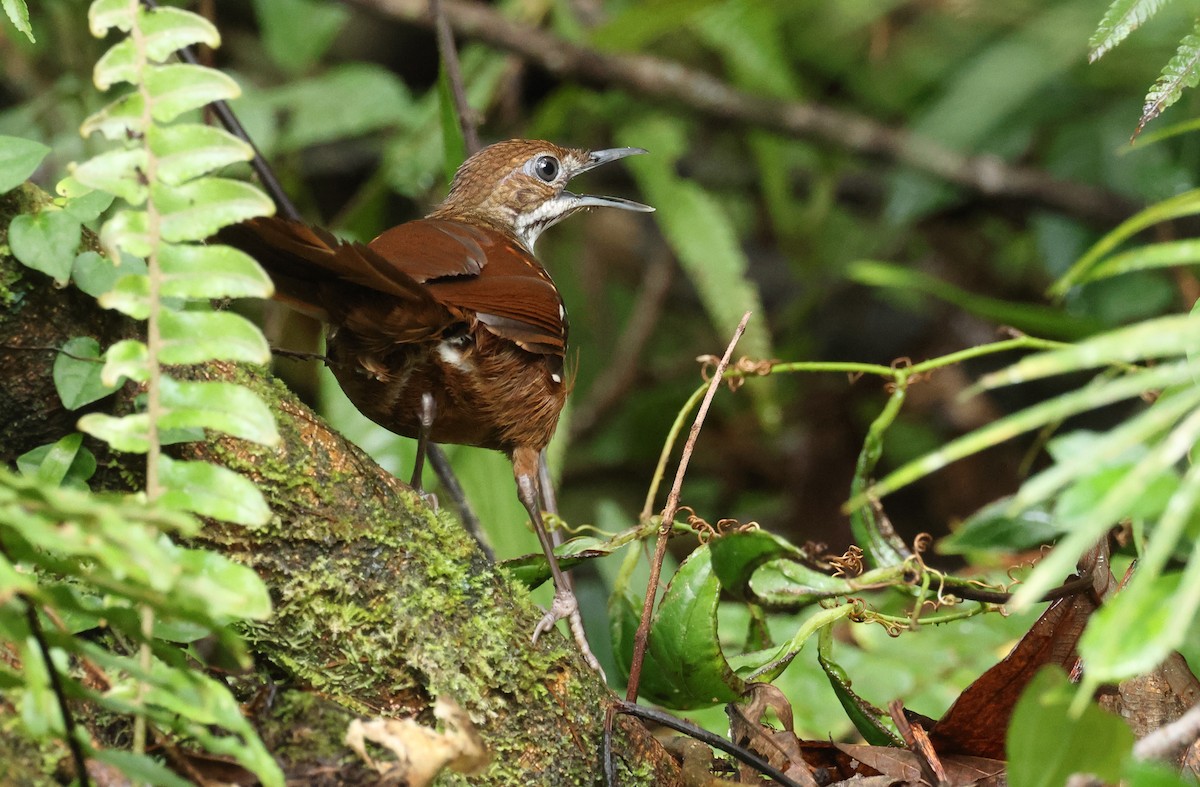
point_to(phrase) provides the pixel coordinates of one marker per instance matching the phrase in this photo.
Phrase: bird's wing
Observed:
(344, 284)
(481, 270)
(412, 282)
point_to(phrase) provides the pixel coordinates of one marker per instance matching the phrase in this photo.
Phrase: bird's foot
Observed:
(563, 606)
(429, 498)
(576, 624)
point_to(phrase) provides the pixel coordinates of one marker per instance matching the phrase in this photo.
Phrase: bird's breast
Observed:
(487, 391)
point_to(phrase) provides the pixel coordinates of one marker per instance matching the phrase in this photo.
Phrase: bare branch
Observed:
(642, 636)
(449, 55)
(656, 78)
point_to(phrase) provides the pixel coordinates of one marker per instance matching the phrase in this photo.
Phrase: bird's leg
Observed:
(550, 504)
(428, 413)
(525, 468)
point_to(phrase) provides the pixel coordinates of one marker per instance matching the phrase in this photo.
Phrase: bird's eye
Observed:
(546, 168)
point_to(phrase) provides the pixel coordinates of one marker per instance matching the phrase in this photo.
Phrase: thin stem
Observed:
(642, 637)
(154, 407)
(60, 694)
(449, 55)
(704, 736)
(660, 469)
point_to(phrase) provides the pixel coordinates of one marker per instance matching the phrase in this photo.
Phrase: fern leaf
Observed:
(1121, 19)
(1182, 72)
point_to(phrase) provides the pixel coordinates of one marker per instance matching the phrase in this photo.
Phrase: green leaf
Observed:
(296, 33)
(684, 665)
(179, 87)
(119, 172)
(1121, 19)
(164, 30)
(65, 462)
(96, 274)
(119, 120)
(230, 590)
(139, 767)
(1156, 338)
(56, 459)
(1078, 501)
(1097, 394)
(212, 491)
(19, 158)
(1185, 204)
(129, 295)
(736, 556)
(1047, 743)
(128, 231)
(77, 373)
(1153, 256)
(704, 238)
(1078, 454)
(106, 14)
(212, 271)
(82, 202)
(188, 150)
(453, 142)
(1181, 72)
(872, 723)
(533, 570)
(1030, 318)
(196, 210)
(128, 433)
(1154, 774)
(1117, 502)
(195, 337)
(93, 273)
(346, 101)
(18, 14)
(226, 407)
(1133, 631)
(997, 527)
(45, 241)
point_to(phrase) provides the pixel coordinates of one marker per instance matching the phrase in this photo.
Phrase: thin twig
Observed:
(60, 694)
(1169, 738)
(664, 80)
(716, 741)
(449, 55)
(668, 517)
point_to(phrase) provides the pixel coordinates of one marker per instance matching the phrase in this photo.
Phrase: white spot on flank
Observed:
(562, 313)
(449, 354)
(556, 378)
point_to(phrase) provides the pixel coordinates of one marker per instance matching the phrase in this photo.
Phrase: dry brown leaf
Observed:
(903, 765)
(421, 752)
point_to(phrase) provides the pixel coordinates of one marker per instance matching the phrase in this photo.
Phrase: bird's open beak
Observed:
(595, 159)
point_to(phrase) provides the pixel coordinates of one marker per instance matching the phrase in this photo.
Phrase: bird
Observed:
(448, 328)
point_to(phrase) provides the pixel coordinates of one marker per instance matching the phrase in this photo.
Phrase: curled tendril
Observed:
(705, 531)
(745, 367)
(848, 564)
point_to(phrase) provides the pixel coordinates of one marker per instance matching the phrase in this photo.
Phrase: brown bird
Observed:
(448, 328)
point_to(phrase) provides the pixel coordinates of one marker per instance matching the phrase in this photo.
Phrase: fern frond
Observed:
(1121, 19)
(1182, 72)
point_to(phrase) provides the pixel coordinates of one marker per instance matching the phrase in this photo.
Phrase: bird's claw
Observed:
(563, 606)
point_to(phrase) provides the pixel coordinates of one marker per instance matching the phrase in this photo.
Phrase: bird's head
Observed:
(520, 185)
